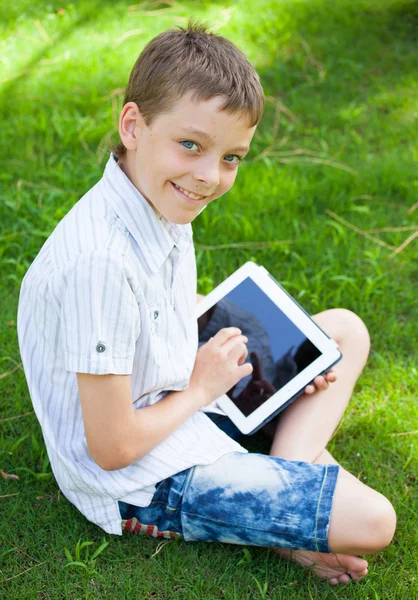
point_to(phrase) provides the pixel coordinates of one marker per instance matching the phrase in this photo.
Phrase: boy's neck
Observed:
(127, 166)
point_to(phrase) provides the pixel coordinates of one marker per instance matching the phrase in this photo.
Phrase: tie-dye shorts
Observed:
(250, 499)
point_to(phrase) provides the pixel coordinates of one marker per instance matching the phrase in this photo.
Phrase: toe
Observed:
(333, 581)
(345, 578)
(352, 563)
(357, 576)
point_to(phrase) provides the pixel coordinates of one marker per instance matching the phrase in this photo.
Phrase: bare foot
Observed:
(337, 568)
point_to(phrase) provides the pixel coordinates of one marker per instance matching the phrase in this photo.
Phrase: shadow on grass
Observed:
(341, 52)
(87, 12)
(372, 41)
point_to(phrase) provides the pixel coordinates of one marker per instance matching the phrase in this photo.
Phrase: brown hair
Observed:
(181, 60)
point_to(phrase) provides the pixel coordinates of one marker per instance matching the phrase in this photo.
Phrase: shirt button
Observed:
(100, 347)
(156, 315)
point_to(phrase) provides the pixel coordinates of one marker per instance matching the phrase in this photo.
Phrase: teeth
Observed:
(188, 194)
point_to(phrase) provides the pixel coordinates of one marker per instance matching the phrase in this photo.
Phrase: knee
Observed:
(380, 526)
(363, 521)
(352, 333)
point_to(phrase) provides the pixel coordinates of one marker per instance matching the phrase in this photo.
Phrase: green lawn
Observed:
(326, 201)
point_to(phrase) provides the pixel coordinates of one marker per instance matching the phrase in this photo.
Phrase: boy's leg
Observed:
(307, 425)
(362, 521)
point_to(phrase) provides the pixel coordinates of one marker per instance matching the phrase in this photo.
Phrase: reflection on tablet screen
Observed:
(277, 349)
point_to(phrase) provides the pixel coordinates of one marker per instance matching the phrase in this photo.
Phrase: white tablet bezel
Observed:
(330, 353)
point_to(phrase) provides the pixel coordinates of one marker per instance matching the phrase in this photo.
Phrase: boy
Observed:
(108, 338)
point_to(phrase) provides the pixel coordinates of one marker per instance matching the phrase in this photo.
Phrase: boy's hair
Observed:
(181, 60)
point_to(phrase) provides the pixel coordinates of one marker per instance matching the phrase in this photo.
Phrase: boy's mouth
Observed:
(190, 195)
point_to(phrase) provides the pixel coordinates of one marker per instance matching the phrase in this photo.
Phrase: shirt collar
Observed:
(155, 236)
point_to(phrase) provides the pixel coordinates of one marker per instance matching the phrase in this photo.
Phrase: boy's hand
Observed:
(220, 364)
(321, 382)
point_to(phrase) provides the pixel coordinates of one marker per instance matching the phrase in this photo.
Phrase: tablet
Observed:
(285, 346)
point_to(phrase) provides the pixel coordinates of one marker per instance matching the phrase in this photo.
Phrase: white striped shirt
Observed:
(113, 291)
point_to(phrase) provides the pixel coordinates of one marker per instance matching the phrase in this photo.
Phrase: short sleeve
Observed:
(100, 321)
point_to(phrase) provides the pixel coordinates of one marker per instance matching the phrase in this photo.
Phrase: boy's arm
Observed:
(118, 435)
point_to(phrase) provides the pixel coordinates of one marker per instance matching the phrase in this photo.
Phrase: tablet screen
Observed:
(277, 349)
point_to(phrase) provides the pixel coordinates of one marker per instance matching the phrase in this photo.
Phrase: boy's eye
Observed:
(189, 145)
(233, 159)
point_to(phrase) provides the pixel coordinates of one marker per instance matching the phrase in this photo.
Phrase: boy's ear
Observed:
(129, 120)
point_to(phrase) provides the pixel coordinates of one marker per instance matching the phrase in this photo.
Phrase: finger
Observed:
(321, 383)
(245, 370)
(310, 389)
(331, 376)
(243, 357)
(226, 334)
(236, 347)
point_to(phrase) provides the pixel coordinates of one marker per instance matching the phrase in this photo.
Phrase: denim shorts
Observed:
(251, 499)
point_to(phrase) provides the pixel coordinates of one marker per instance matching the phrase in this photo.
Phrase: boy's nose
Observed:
(208, 176)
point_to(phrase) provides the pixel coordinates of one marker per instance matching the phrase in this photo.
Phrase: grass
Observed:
(338, 141)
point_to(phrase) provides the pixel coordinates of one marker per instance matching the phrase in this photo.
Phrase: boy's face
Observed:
(187, 157)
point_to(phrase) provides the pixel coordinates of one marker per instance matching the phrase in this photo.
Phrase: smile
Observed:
(188, 194)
